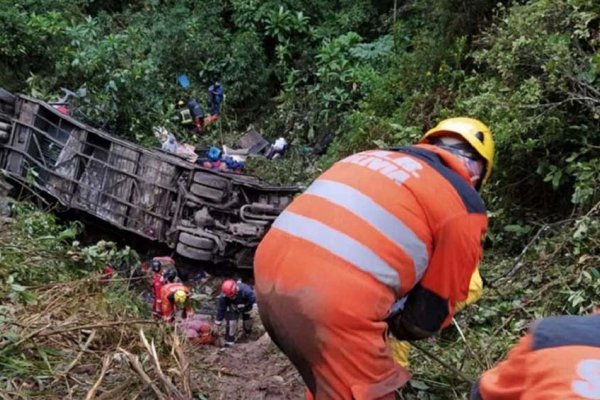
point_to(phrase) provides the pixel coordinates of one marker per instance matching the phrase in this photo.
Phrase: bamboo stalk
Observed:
(106, 361)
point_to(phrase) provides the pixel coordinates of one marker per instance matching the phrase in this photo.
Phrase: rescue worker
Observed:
(170, 276)
(184, 115)
(376, 227)
(175, 297)
(236, 299)
(558, 359)
(197, 113)
(157, 284)
(215, 98)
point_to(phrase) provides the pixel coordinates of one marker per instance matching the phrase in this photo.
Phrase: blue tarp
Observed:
(184, 81)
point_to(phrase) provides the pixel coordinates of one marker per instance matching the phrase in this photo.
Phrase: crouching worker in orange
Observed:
(558, 359)
(176, 301)
(378, 226)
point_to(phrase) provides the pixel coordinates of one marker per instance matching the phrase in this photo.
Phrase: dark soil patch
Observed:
(253, 370)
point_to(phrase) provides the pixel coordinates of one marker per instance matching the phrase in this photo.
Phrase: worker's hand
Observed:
(403, 329)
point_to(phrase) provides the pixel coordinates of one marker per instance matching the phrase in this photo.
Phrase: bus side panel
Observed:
(154, 195)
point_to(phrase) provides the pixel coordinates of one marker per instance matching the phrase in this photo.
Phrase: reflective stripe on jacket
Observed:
(558, 359)
(185, 116)
(403, 217)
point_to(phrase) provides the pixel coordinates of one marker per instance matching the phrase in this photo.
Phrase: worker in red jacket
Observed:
(175, 297)
(157, 284)
(558, 359)
(378, 226)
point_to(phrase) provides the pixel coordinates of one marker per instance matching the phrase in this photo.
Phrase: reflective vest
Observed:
(185, 116)
(558, 359)
(403, 217)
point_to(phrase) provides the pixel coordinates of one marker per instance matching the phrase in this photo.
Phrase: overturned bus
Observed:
(202, 214)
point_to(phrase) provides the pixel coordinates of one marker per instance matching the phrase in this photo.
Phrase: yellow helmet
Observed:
(180, 103)
(180, 297)
(475, 132)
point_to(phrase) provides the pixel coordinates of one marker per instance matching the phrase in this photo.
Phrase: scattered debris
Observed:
(85, 340)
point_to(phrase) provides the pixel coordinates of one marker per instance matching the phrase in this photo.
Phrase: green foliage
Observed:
(127, 56)
(297, 167)
(36, 249)
(534, 88)
(120, 296)
(531, 75)
(26, 252)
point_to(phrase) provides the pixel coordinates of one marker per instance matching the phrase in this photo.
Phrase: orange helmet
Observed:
(229, 288)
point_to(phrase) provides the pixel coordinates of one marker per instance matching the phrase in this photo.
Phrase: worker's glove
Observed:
(422, 315)
(403, 329)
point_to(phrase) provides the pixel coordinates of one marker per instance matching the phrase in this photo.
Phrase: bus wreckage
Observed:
(204, 215)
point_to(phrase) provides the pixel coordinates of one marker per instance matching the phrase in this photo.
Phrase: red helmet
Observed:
(229, 288)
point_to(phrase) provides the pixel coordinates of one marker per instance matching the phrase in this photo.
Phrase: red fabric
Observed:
(199, 123)
(157, 284)
(107, 274)
(198, 330)
(63, 109)
(145, 266)
(210, 119)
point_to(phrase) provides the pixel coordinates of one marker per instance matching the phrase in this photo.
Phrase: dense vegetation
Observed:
(365, 74)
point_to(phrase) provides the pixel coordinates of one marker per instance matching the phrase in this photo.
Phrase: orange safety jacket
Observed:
(168, 304)
(558, 359)
(407, 217)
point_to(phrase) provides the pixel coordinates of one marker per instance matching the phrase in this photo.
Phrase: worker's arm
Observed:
(167, 308)
(430, 305)
(507, 380)
(248, 296)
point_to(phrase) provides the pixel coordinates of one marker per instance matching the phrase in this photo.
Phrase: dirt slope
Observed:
(253, 370)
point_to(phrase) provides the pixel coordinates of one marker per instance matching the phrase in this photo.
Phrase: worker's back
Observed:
(377, 211)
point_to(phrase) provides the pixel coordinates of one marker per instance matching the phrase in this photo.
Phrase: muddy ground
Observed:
(253, 369)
